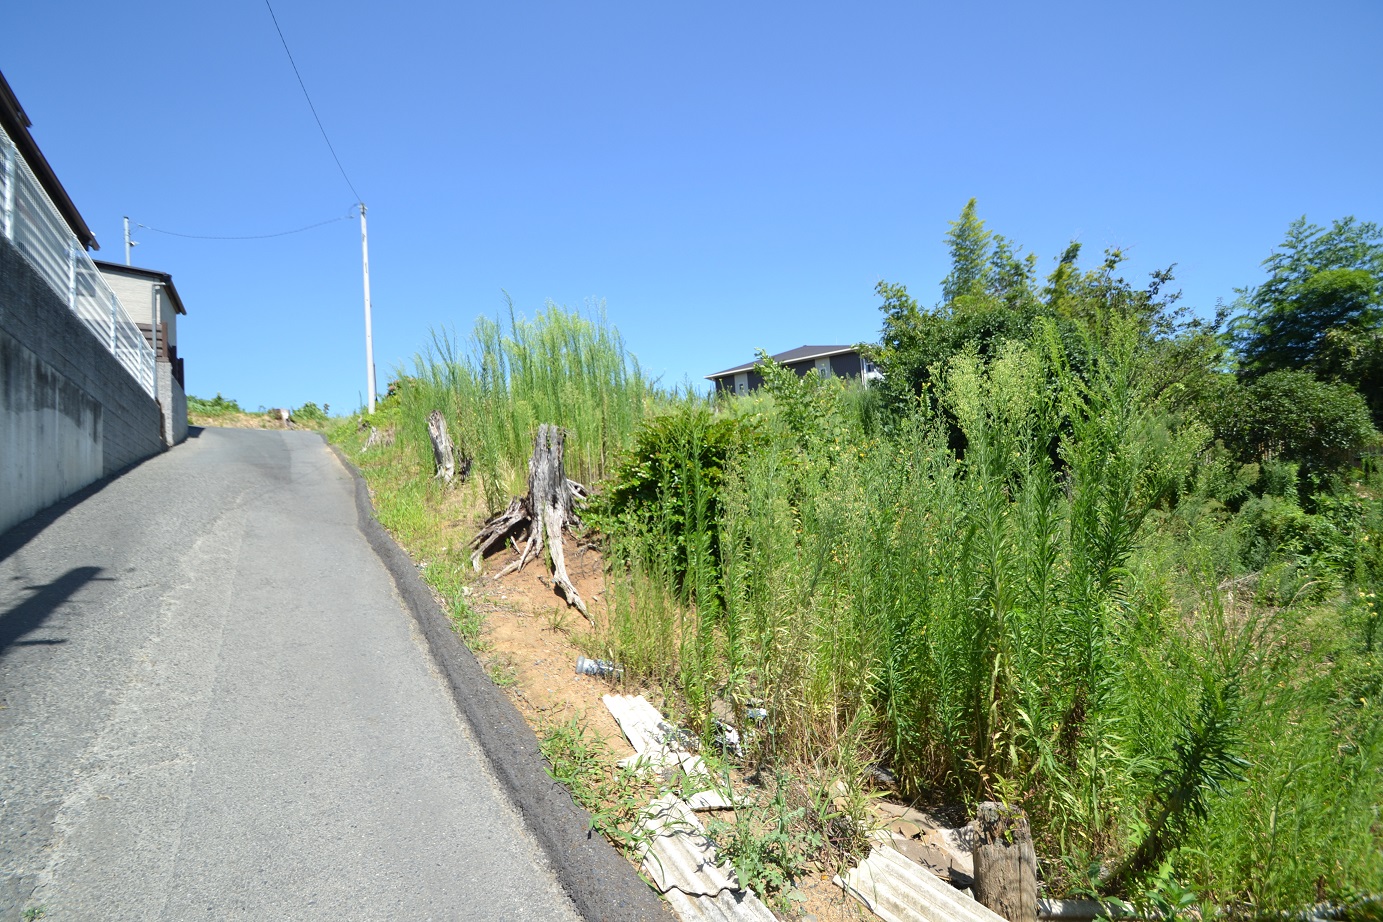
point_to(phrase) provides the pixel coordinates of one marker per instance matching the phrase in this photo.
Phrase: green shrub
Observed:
(310, 413)
(217, 406)
(1293, 416)
(667, 487)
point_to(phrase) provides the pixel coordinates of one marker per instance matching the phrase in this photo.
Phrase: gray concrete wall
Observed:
(173, 401)
(50, 435)
(70, 412)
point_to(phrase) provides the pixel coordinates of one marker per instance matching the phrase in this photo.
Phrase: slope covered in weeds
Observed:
(1048, 562)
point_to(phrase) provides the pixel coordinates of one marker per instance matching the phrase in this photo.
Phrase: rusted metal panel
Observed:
(897, 890)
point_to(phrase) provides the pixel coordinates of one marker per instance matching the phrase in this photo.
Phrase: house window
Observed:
(823, 367)
(742, 383)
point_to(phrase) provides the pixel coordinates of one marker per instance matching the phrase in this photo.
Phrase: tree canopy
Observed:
(1321, 307)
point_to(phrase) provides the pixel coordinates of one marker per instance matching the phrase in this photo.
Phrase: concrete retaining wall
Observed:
(70, 413)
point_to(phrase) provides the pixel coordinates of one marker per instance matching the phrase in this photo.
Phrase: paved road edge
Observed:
(600, 882)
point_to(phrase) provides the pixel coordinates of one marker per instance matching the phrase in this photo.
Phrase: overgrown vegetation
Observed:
(559, 366)
(225, 412)
(1073, 562)
(217, 406)
(1080, 552)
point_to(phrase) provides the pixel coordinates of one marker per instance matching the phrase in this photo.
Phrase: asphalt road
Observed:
(214, 704)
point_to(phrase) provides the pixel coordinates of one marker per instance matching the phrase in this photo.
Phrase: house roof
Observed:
(800, 354)
(16, 124)
(152, 275)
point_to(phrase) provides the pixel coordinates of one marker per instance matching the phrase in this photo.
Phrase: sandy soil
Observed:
(530, 644)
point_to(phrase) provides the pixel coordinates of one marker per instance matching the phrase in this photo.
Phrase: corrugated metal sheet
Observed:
(726, 907)
(681, 862)
(897, 890)
(679, 858)
(679, 855)
(655, 741)
(657, 745)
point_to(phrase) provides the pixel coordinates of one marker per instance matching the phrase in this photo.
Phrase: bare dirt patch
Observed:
(532, 638)
(530, 643)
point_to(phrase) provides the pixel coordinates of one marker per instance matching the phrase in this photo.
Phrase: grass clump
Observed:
(614, 796)
(564, 367)
(216, 406)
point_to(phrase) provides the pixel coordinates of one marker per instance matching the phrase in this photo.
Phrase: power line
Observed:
(309, 102)
(157, 230)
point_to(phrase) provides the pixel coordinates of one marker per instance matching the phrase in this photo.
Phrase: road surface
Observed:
(213, 705)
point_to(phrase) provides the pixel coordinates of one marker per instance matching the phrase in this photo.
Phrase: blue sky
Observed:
(722, 176)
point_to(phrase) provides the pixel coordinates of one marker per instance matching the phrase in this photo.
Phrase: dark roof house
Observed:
(841, 361)
(16, 124)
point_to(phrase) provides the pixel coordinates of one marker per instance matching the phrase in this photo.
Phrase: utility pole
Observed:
(369, 341)
(129, 244)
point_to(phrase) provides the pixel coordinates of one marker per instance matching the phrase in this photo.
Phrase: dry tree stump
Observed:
(443, 452)
(539, 518)
(1005, 863)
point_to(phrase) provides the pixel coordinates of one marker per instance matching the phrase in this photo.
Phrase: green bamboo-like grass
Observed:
(565, 367)
(1009, 621)
(1022, 590)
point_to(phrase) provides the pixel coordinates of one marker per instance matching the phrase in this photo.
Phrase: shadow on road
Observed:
(30, 614)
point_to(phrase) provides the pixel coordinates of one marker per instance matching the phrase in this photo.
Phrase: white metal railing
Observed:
(31, 221)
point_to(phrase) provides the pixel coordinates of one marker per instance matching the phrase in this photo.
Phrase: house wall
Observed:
(727, 383)
(848, 365)
(137, 295)
(69, 412)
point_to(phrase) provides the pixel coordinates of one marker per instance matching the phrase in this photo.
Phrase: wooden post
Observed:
(1005, 863)
(442, 451)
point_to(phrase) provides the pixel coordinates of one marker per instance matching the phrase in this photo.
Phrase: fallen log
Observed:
(539, 518)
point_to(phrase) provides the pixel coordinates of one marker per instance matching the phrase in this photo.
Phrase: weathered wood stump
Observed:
(539, 518)
(1005, 863)
(378, 438)
(443, 452)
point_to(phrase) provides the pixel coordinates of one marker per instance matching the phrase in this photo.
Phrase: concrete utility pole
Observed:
(369, 340)
(129, 244)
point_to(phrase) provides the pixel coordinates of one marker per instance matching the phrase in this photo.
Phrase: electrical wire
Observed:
(310, 105)
(157, 230)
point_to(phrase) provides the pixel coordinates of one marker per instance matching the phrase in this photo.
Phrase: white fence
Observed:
(32, 223)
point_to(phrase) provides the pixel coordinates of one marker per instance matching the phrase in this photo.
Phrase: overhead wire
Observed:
(299, 230)
(308, 97)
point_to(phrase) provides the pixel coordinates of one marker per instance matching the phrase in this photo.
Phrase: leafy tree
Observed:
(1293, 416)
(1321, 307)
(971, 269)
(991, 296)
(1012, 277)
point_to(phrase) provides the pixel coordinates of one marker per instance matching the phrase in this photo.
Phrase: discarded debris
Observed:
(659, 746)
(897, 890)
(598, 667)
(681, 862)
